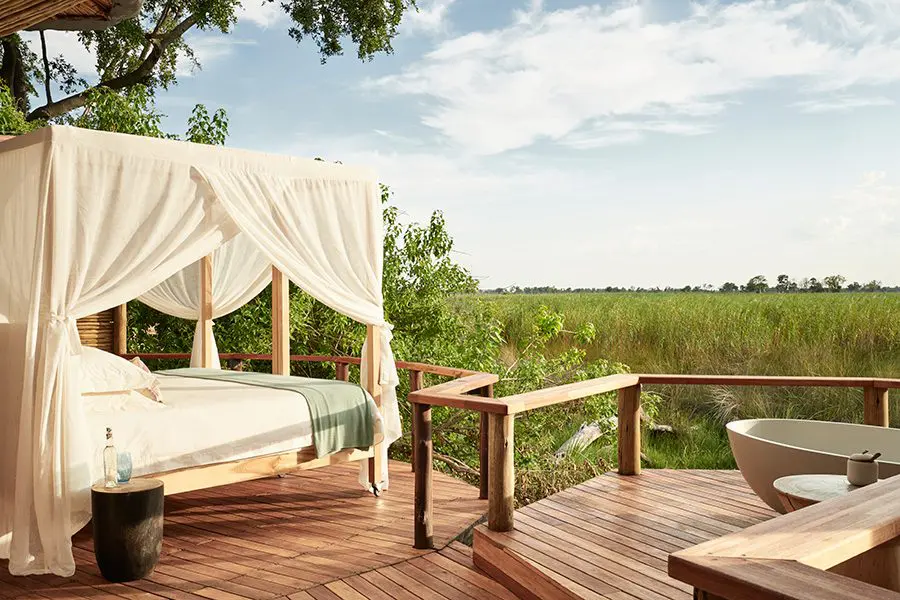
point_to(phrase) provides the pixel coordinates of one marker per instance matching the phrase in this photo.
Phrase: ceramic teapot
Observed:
(862, 469)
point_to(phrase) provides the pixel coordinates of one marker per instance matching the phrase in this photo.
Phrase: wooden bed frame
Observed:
(258, 467)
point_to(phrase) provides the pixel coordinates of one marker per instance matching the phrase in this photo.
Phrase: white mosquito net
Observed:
(89, 220)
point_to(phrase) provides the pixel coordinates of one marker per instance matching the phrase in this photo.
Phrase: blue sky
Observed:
(655, 142)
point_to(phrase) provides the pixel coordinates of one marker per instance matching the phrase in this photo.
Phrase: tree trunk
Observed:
(12, 72)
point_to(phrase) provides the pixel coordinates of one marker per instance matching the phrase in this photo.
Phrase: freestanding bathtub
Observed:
(766, 449)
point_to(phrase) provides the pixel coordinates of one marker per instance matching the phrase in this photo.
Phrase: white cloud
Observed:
(865, 212)
(210, 48)
(551, 73)
(262, 13)
(431, 16)
(609, 132)
(841, 104)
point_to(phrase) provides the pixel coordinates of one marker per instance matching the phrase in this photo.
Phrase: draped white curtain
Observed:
(318, 233)
(90, 220)
(239, 273)
(94, 248)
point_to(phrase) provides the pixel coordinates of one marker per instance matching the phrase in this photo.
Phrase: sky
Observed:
(587, 144)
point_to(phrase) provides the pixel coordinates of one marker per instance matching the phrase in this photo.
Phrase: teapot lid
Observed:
(865, 456)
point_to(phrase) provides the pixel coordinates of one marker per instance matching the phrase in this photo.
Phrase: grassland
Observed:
(846, 334)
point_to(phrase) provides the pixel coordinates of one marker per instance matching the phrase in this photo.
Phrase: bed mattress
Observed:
(201, 422)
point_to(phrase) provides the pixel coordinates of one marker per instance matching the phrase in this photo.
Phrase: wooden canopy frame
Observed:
(206, 476)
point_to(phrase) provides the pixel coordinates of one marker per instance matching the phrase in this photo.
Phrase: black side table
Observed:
(128, 528)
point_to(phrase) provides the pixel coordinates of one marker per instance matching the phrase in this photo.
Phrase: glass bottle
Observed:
(110, 461)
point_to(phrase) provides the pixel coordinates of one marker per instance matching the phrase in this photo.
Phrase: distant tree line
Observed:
(758, 284)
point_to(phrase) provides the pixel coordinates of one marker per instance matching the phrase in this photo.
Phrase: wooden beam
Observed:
(373, 386)
(341, 371)
(206, 312)
(483, 443)
(201, 477)
(630, 430)
(120, 329)
(281, 327)
(876, 406)
(415, 384)
(767, 381)
(424, 498)
(501, 472)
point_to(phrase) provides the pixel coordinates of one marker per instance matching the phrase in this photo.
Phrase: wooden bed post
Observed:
(373, 386)
(120, 329)
(281, 328)
(206, 312)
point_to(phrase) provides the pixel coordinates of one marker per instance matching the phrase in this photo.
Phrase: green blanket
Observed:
(342, 413)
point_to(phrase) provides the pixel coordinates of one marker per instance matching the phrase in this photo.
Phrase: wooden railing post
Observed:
(630, 430)
(206, 311)
(424, 504)
(342, 371)
(120, 329)
(415, 384)
(501, 472)
(876, 406)
(281, 324)
(483, 459)
(372, 384)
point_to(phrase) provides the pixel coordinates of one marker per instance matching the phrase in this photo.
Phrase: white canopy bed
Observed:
(90, 220)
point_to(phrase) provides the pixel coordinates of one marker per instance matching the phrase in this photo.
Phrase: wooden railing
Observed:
(501, 412)
(472, 390)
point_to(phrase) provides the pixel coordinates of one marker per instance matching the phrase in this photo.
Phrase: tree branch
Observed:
(46, 68)
(139, 74)
(162, 19)
(455, 464)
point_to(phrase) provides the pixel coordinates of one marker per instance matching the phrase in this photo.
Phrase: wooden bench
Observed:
(847, 547)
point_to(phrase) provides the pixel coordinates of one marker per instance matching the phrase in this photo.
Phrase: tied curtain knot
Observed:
(70, 325)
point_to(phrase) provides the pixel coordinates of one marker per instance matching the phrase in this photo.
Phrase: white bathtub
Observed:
(766, 449)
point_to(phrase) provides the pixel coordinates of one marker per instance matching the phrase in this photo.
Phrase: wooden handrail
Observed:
(770, 381)
(567, 393)
(500, 413)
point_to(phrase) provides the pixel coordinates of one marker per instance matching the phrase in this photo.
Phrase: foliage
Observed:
(12, 121)
(371, 24)
(756, 284)
(834, 283)
(133, 111)
(204, 128)
(130, 111)
(151, 49)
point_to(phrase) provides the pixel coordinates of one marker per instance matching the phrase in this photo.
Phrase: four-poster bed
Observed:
(92, 220)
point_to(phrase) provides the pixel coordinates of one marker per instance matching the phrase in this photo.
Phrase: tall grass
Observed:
(754, 334)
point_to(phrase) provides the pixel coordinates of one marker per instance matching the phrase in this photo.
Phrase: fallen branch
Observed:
(455, 465)
(586, 435)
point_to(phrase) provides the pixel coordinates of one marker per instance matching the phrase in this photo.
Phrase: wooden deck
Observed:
(610, 537)
(312, 535)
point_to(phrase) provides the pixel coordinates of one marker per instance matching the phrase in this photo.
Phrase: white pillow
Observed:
(105, 373)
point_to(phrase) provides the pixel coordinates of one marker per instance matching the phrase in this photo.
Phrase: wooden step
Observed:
(610, 537)
(523, 578)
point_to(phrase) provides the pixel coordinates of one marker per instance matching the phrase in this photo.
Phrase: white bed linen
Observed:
(200, 422)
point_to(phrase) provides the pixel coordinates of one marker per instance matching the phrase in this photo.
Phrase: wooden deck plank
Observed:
(315, 535)
(612, 535)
